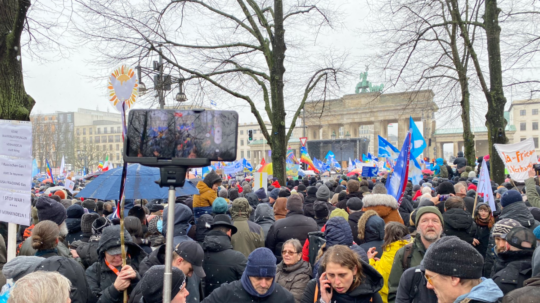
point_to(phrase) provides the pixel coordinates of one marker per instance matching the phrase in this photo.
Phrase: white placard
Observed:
(260, 180)
(518, 158)
(16, 139)
(15, 174)
(69, 185)
(15, 207)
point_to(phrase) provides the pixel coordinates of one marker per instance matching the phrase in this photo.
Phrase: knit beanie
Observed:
(99, 225)
(261, 193)
(323, 193)
(355, 203)
(425, 210)
(453, 257)
(152, 283)
(311, 191)
(274, 194)
(66, 203)
(49, 209)
(301, 188)
(75, 211)
(220, 206)
(503, 227)
(510, 197)
(294, 203)
(261, 263)
(284, 193)
(446, 188)
(321, 209)
(86, 222)
(338, 212)
(61, 193)
(224, 193)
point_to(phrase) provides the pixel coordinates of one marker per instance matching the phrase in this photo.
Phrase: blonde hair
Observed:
(41, 287)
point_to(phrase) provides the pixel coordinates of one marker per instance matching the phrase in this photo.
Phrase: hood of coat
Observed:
(182, 215)
(211, 178)
(73, 225)
(280, 208)
(338, 232)
(203, 227)
(203, 188)
(458, 219)
(486, 291)
(264, 214)
(252, 199)
(380, 200)
(519, 212)
(111, 238)
(371, 227)
(216, 241)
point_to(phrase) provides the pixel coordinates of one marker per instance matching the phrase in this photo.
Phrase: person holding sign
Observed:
(532, 190)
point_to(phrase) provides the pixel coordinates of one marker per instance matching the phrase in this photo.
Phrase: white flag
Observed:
(484, 187)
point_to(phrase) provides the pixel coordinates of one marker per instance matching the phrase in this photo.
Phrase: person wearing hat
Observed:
(249, 235)
(322, 212)
(87, 252)
(107, 278)
(273, 196)
(261, 195)
(295, 225)
(49, 209)
(354, 208)
(498, 244)
(257, 284)
(202, 203)
(222, 264)
(429, 228)
(514, 208)
(453, 269)
(219, 206)
(152, 286)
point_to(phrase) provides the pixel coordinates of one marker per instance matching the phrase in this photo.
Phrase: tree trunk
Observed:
(495, 121)
(278, 134)
(468, 136)
(15, 103)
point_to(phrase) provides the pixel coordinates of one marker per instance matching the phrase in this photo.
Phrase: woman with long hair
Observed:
(395, 237)
(344, 278)
(133, 226)
(484, 222)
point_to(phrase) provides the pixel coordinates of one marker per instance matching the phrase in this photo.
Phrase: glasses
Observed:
(288, 252)
(429, 278)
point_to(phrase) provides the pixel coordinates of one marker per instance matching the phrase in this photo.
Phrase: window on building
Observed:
(254, 131)
(104, 130)
(69, 118)
(78, 132)
(535, 111)
(103, 139)
(118, 129)
(241, 142)
(90, 131)
(523, 126)
(117, 138)
(99, 130)
(314, 135)
(535, 139)
(241, 132)
(523, 112)
(242, 154)
(117, 157)
(117, 147)
(96, 140)
(111, 139)
(84, 139)
(112, 130)
(61, 118)
(341, 132)
(84, 131)
(248, 154)
(535, 126)
(110, 147)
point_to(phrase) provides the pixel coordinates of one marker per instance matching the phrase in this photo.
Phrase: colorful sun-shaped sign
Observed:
(123, 87)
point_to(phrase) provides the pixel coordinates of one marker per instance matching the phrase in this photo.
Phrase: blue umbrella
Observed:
(140, 184)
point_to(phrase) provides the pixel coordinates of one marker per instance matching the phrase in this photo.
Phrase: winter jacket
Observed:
(532, 195)
(384, 265)
(519, 212)
(405, 209)
(485, 292)
(206, 194)
(416, 256)
(353, 222)
(482, 234)
(517, 269)
(69, 268)
(527, 294)
(264, 216)
(460, 161)
(295, 225)
(234, 292)
(309, 202)
(249, 236)
(74, 230)
(370, 232)
(294, 278)
(253, 202)
(157, 257)
(343, 203)
(88, 252)
(385, 205)
(413, 288)
(100, 277)
(321, 222)
(366, 292)
(459, 223)
(280, 208)
(182, 225)
(221, 263)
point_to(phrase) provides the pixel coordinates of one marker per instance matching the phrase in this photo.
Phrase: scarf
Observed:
(248, 287)
(489, 221)
(40, 253)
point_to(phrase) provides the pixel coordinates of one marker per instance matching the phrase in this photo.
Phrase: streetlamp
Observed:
(181, 96)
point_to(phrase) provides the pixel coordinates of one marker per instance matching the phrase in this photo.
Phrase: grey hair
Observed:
(379, 189)
(41, 287)
(63, 229)
(295, 243)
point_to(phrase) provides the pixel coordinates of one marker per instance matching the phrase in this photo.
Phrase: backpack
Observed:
(407, 256)
(316, 240)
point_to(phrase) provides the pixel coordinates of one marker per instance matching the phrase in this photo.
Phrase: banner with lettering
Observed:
(518, 158)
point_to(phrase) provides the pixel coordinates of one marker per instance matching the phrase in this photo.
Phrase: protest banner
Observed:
(260, 180)
(518, 158)
(69, 184)
(292, 170)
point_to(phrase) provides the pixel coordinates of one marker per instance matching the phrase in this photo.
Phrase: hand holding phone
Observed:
(326, 288)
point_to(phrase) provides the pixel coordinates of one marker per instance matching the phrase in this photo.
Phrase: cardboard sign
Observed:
(292, 170)
(518, 158)
(69, 184)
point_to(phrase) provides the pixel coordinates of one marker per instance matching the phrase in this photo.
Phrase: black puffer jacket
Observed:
(405, 209)
(309, 202)
(69, 268)
(157, 257)
(353, 222)
(517, 268)
(234, 292)
(519, 212)
(100, 277)
(458, 222)
(460, 161)
(294, 225)
(413, 288)
(73, 223)
(221, 263)
(366, 292)
(88, 252)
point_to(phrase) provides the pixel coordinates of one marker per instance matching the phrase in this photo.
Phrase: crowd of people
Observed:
(327, 240)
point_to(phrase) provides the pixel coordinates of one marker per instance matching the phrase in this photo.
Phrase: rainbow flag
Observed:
(100, 166)
(305, 158)
(49, 170)
(291, 156)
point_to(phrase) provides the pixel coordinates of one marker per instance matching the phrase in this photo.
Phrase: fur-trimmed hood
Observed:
(380, 200)
(370, 227)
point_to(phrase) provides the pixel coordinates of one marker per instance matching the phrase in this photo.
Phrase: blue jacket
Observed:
(487, 291)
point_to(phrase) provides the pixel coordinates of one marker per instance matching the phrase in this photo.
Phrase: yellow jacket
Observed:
(384, 265)
(205, 197)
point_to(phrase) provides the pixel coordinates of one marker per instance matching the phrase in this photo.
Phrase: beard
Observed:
(430, 235)
(63, 230)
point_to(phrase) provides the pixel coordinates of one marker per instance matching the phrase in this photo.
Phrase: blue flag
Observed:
(35, 169)
(397, 182)
(415, 171)
(247, 165)
(418, 142)
(370, 171)
(387, 150)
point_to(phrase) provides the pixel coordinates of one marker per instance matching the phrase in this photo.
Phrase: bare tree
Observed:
(229, 49)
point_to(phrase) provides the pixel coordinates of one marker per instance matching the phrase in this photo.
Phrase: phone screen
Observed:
(168, 134)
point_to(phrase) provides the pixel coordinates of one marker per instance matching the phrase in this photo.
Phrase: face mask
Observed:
(160, 226)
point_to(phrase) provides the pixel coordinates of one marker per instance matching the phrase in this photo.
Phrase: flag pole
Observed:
(475, 199)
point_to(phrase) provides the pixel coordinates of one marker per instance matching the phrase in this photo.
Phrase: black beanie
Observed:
(152, 283)
(312, 191)
(284, 193)
(453, 257)
(321, 209)
(49, 209)
(446, 188)
(301, 188)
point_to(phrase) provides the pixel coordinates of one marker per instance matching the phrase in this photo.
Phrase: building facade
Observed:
(525, 117)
